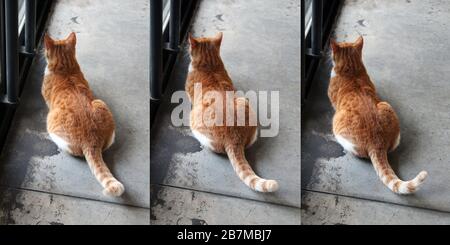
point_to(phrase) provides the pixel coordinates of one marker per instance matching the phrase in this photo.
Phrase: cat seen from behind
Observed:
(364, 124)
(77, 122)
(208, 71)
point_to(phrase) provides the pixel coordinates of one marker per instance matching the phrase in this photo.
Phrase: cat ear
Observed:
(359, 42)
(48, 41)
(192, 41)
(334, 46)
(218, 39)
(72, 39)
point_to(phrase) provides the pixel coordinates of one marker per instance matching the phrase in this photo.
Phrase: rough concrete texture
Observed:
(409, 73)
(24, 207)
(329, 209)
(259, 38)
(111, 40)
(189, 207)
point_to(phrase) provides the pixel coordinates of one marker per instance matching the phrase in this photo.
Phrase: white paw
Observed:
(114, 189)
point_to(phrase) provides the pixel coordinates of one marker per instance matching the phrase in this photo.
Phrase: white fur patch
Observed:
(403, 188)
(191, 68)
(47, 71)
(348, 146)
(391, 185)
(333, 73)
(60, 142)
(397, 141)
(259, 185)
(111, 139)
(254, 138)
(205, 141)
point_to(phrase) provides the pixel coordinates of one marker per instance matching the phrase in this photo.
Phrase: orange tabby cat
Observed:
(208, 70)
(77, 122)
(363, 124)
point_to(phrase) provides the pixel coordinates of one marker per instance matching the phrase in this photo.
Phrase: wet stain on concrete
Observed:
(318, 210)
(56, 223)
(157, 201)
(7, 205)
(167, 140)
(317, 139)
(27, 140)
(198, 222)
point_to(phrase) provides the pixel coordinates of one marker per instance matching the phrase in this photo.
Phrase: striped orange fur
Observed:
(208, 70)
(363, 124)
(77, 122)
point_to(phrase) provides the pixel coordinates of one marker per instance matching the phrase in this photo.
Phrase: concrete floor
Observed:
(197, 185)
(406, 54)
(44, 185)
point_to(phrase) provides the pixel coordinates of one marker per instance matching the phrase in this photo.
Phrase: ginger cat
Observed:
(77, 122)
(363, 124)
(208, 70)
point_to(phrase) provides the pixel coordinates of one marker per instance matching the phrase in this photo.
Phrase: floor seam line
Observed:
(71, 196)
(226, 195)
(378, 201)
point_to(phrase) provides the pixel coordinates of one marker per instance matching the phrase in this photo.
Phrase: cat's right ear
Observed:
(48, 41)
(334, 46)
(218, 39)
(192, 41)
(72, 39)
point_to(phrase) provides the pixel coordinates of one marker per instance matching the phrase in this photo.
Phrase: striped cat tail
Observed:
(112, 187)
(245, 171)
(390, 179)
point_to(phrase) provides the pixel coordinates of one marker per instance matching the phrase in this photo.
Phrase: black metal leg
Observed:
(174, 31)
(302, 50)
(156, 42)
(2, 50)
(12, 45)
(30, 26)
(316, 29)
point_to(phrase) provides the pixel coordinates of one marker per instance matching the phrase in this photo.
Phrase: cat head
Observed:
(347, 56)
(205, 49)
(60, 54)
(344, 50)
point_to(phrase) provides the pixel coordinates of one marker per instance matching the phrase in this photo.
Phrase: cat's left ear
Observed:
(218, 39)
(72, 39)
(192, 41)
(48, 41)
(359, 42)
(334, 45)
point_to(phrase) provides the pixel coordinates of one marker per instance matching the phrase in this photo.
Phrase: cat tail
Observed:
(390, 179)
(245, 172)
(111, 185)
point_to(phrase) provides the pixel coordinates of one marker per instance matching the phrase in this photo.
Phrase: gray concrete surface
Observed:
(261, 51)
(406, 55)
(112, 36)
(23, 207)
(330, 209)
(190, 207)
